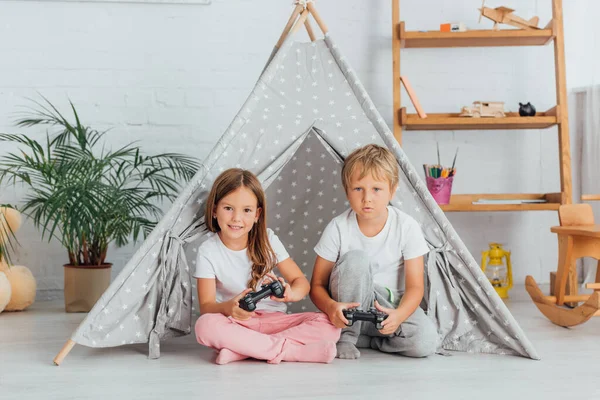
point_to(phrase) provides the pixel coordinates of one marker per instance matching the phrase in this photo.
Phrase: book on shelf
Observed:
(509, 201)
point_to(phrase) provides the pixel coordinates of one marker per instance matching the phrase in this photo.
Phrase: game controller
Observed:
(248, 302)
(373, 315)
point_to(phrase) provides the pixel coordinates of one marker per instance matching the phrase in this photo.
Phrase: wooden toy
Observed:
(578, 237)
(484, 109)
(504, 15)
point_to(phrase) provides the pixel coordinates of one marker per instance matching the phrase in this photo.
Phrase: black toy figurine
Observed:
(526, 110)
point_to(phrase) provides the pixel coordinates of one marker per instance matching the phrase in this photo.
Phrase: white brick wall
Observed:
(173, 77)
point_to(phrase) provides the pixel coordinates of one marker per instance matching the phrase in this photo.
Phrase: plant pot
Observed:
(84, 284)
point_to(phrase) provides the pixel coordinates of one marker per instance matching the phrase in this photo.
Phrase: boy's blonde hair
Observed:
(372, 159)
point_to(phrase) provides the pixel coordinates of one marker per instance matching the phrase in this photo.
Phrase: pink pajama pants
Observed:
(272, 336)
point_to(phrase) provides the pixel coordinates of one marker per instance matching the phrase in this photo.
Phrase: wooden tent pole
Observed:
(309, 30)
(286, 30)
(289, 24)
(63, 352)
(317, 18)
(300, 21)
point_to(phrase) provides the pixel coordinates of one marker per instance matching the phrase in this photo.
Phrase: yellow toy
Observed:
(498, 273)
(17, 283)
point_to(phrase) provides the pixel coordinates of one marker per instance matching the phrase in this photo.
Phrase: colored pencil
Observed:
(454, 161)
(437, 170)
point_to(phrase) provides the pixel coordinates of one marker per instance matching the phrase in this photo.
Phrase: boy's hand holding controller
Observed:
(232, 307)
(335, 314)
(392, 322)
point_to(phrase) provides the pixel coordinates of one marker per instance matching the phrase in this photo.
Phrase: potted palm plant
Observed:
(88, 196)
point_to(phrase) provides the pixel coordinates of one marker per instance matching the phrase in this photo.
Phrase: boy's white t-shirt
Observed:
(400, 239)
(232, 269)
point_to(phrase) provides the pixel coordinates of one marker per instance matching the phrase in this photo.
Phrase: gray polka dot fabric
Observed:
(307, 112)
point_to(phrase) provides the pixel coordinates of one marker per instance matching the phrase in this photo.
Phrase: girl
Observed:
(239, 255)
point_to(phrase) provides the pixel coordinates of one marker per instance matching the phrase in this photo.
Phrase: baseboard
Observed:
(49, 294)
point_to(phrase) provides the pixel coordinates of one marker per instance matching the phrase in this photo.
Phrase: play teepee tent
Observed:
(307, 111)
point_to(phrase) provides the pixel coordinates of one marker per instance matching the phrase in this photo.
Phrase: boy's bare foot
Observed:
(347, 351)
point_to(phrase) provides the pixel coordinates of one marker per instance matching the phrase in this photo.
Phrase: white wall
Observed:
(173, 77)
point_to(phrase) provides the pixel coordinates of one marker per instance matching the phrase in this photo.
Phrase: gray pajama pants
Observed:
(352, 281)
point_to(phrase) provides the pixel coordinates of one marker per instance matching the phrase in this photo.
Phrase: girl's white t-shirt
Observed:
(232, 269)
(400, 239)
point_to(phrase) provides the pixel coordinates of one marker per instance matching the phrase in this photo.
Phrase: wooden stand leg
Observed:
(565, 260)
(571, 289)
(63, 352)
(597, 275)
(572, 282)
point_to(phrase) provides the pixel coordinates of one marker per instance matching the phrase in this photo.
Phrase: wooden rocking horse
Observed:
(578, 237)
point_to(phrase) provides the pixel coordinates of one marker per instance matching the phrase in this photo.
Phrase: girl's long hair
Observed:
(259, 250)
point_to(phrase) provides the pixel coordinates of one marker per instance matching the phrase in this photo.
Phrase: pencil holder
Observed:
(440, 188)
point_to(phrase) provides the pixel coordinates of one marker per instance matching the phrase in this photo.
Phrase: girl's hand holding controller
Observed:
(288, 293)
(232, 308)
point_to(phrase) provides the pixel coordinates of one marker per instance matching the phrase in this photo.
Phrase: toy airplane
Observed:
(504, 15)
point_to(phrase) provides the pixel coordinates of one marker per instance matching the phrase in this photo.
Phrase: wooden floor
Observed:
(29, 341)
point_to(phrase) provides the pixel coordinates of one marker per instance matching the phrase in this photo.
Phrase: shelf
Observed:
(464, 202)
(474, 38)
(452, 122)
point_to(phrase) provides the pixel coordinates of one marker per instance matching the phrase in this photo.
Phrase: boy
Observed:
(372, 254)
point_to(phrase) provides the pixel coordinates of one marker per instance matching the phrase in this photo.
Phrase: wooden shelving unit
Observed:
(453, 122)
(556, 116)
(475, 38)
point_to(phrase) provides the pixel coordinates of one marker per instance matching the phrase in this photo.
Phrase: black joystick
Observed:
(373, 315)
(248, 302)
